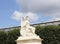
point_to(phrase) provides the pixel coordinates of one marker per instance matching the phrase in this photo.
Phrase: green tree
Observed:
(12, 36)
(50, 34)
(3, 37)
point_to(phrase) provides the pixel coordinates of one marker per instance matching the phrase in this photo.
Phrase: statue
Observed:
(26, 29)
(27, 32)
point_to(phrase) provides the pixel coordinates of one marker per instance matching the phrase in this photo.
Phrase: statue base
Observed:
(29, 40)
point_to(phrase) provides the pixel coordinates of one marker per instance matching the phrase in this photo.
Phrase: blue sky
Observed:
(8, 7)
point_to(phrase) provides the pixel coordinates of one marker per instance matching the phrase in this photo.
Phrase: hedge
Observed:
(12, 36)
(50, 35)
(3, 36)
(9, 37)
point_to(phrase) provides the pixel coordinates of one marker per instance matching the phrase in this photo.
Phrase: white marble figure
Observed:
(26, 29)
(28, 35)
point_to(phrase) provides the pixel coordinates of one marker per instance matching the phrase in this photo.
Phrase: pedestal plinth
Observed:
(29, 40)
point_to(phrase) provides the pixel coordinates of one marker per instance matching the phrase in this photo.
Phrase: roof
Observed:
(10, 27)
(31, 25)
(46, 22)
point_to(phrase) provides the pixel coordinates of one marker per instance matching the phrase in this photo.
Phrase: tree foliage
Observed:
(3, 36)
(50, 35)
(12, 36)
(9, 37)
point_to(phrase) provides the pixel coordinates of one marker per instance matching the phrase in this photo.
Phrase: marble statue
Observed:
(27, 32)
(26, 29)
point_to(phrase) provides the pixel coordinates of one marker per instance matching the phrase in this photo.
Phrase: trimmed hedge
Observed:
(50, 35)
(12, 36)
(3, 36)
(9, 37)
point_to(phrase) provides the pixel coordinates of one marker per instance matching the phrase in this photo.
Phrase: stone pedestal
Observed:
(29, 40)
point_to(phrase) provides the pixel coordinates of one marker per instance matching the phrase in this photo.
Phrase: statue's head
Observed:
(27, 17)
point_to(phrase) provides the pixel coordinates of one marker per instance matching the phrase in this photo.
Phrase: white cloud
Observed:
(17, 15)
(38, 5)
(32, 7)
(56, 15)
(32, 16)
(48, 7)
(56, 19)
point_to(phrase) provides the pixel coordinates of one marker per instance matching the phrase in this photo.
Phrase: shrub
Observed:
(3, 37)
(12, 36)
(50, 34)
